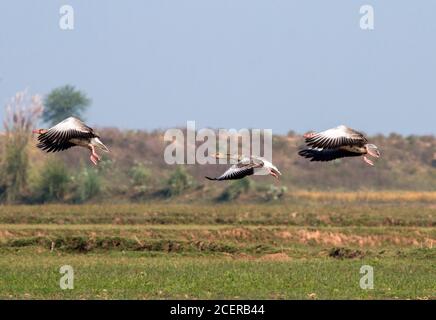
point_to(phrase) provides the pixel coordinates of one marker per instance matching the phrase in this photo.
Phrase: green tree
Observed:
(64, 102)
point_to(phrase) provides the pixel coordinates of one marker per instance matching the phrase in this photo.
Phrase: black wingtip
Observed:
(304, 153)
(209, 178)
(41, 146)
(311, 154)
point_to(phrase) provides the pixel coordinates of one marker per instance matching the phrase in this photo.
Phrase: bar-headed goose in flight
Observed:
(246, 166)
(69, 133)
(339, 142)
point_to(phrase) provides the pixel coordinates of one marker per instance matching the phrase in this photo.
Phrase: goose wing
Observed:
(317, 154)
(335, 138)
(59, 137)
(243, 168)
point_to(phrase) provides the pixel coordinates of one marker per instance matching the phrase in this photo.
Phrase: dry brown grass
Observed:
(372, 196)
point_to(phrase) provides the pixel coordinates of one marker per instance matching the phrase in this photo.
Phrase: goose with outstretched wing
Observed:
(69, 133)
(339, 142)
(246, 166)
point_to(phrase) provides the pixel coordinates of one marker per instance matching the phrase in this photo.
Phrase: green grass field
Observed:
(305, 249)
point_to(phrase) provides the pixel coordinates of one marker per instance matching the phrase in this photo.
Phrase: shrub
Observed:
(53, 182)
(14, 169)
(21, 115)
(139, 175)
(89, 185)
(179, 181)
(275, 193)
(235, 189)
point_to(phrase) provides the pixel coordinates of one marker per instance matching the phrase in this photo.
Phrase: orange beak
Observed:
(275, 174)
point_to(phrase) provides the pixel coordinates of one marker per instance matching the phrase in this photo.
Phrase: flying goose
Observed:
(339, 142)
(69, 133)
(246, 166)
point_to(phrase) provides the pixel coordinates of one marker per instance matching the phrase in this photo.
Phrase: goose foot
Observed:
(39, 131)
(309, 135)
(97, 156)
(93, 159)
(368, 161)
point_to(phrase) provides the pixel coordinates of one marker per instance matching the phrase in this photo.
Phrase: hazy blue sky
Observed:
(230, 63)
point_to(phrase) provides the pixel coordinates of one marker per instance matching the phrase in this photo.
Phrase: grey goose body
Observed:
(246, 166)
(336, 143)
(69, 133)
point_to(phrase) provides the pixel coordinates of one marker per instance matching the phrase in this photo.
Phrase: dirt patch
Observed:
(339, 239)
(5, 234)
(287, 235)
(237, 233)
(275, 257)
(334, 238)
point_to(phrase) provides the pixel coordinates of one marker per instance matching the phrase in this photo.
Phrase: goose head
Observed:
(97, 143)
(275, 172)
(272, 169)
